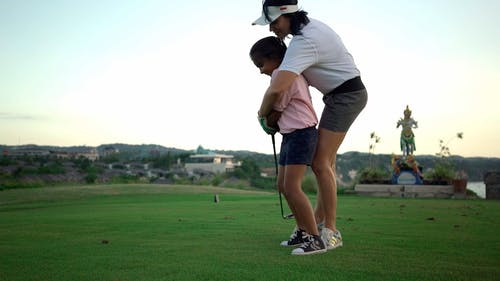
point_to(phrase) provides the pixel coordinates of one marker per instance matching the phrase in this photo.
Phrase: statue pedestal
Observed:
(406, 177)
(406, 170)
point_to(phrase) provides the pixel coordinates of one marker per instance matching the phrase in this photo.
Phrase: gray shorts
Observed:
(341, 109)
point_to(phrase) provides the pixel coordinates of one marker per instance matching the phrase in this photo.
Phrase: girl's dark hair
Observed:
(269, 48)
(297, 19)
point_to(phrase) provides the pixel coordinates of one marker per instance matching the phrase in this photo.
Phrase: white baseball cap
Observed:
(275, 12)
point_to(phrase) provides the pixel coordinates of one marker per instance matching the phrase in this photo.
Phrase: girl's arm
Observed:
(282, 82)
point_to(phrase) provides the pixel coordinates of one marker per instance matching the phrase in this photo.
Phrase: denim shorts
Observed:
(298, 147)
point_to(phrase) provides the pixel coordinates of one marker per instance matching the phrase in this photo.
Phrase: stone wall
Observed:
(405, 191)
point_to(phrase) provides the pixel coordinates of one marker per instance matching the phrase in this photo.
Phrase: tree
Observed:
(162, 161)
(249, 168)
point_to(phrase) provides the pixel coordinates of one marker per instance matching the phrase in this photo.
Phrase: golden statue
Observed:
(407, 140)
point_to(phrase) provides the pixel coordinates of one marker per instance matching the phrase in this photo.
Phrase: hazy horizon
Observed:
(179, 75)
(221, 149)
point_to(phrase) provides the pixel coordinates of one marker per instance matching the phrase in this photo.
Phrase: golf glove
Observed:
(267, 129)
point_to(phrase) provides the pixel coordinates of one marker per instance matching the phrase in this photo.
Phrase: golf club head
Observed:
(289, 216)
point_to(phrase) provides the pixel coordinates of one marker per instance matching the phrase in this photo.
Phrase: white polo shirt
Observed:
(320, 55)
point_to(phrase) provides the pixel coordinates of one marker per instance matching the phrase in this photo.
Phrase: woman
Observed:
(317, 52)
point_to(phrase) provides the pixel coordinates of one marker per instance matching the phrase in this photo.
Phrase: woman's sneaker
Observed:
(295, 238)
(333, 239)
(320, 226)
(313, 244)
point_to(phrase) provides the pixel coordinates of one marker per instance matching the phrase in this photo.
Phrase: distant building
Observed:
(213, 163)
(27, 150)
(61, 154)
(109, 150)
(90, 154)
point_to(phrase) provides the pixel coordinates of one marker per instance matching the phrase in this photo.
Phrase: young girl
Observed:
(297, 124)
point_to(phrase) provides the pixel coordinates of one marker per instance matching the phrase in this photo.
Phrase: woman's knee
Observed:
(320, 167)
(316, 167)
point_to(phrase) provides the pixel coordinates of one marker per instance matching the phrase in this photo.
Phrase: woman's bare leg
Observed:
(324, 168)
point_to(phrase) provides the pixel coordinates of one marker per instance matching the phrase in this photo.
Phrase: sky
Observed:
(178, 74)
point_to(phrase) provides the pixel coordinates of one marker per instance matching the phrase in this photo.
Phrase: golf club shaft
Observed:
(276, 181)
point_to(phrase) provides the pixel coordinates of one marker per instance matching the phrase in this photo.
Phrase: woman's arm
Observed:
(282, 82)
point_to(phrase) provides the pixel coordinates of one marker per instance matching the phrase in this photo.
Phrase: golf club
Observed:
(289, 216)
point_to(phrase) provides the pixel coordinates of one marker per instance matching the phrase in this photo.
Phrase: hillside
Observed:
(347, 163)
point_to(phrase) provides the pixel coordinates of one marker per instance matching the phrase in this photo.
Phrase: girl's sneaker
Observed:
(333, 239)
(295, 238)
(313, 244)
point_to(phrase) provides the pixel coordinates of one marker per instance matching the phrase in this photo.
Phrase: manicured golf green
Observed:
(162, 232)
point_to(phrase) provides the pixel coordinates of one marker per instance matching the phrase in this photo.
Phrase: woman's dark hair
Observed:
(269, 48)
(297, 19)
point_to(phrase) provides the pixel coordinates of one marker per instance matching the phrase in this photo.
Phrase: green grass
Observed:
(161, 232)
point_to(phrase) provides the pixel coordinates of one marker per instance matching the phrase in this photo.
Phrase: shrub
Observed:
(216, 180)
(52, 169)
(374, 175)
(443, 171)
(91, 178)
(264, 183)
(5, 161)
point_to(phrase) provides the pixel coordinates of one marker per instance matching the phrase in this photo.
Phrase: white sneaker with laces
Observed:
(320, 226)
(333, 239)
